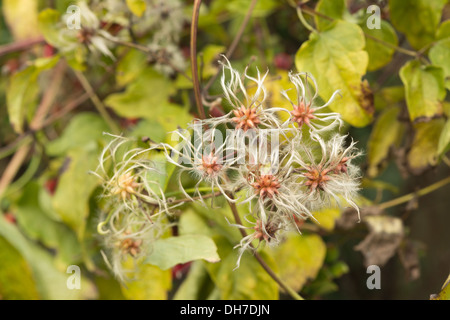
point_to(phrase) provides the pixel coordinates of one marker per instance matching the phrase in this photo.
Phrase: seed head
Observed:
(126, 186)
(266, 186)
(246, 118)
(302, 114)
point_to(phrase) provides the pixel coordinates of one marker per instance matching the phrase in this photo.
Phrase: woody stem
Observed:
(261, 261)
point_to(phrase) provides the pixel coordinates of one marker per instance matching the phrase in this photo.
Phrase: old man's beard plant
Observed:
(276, 164)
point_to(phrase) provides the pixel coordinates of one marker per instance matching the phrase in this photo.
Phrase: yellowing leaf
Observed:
(150, 283)
(335, 57)
(387, 132)
(444, 139)
(16, 279)
(299, 258)
(424, 149)
(22, 18)
(424, 89)
(326, 218)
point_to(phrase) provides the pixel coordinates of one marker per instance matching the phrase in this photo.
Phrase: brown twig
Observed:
(20, 45)
(195, 80)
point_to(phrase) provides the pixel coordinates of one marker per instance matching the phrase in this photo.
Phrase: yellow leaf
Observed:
(137, 7)
(299, 259)
(22, 18)
(151, 283)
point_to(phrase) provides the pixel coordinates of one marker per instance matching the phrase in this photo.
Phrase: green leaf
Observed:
(48, 19)
(417, 19)
(16, 279)
(148, 97)
(83, 129)
(137, 7)
(39, 227)
(151, 283)
(299, 258)
(262, 8)
(249, 282)
(51, 282)
(444, 30)
(22, 92)
(388, 97)
(379, 53)
(440, 56)
(387, 132)
(334, 9)
(71, 199)
(335, 57)
(169, 252)
(424, 89)
(130, 67)
(424, 150)
(444, 139)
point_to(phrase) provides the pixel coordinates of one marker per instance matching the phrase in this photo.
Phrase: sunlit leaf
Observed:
(299, 258)
(137, 7)
(148, 97)
(335, 57)
(22, 18)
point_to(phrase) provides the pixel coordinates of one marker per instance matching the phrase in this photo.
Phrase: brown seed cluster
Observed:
(317, 177)
(267, 233)
(130, 246)
(209, 165)
(302, 114)
(266, 186)
(341, 167)
(246, 118)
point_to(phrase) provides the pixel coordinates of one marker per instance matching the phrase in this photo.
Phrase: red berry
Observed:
(283, 61)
